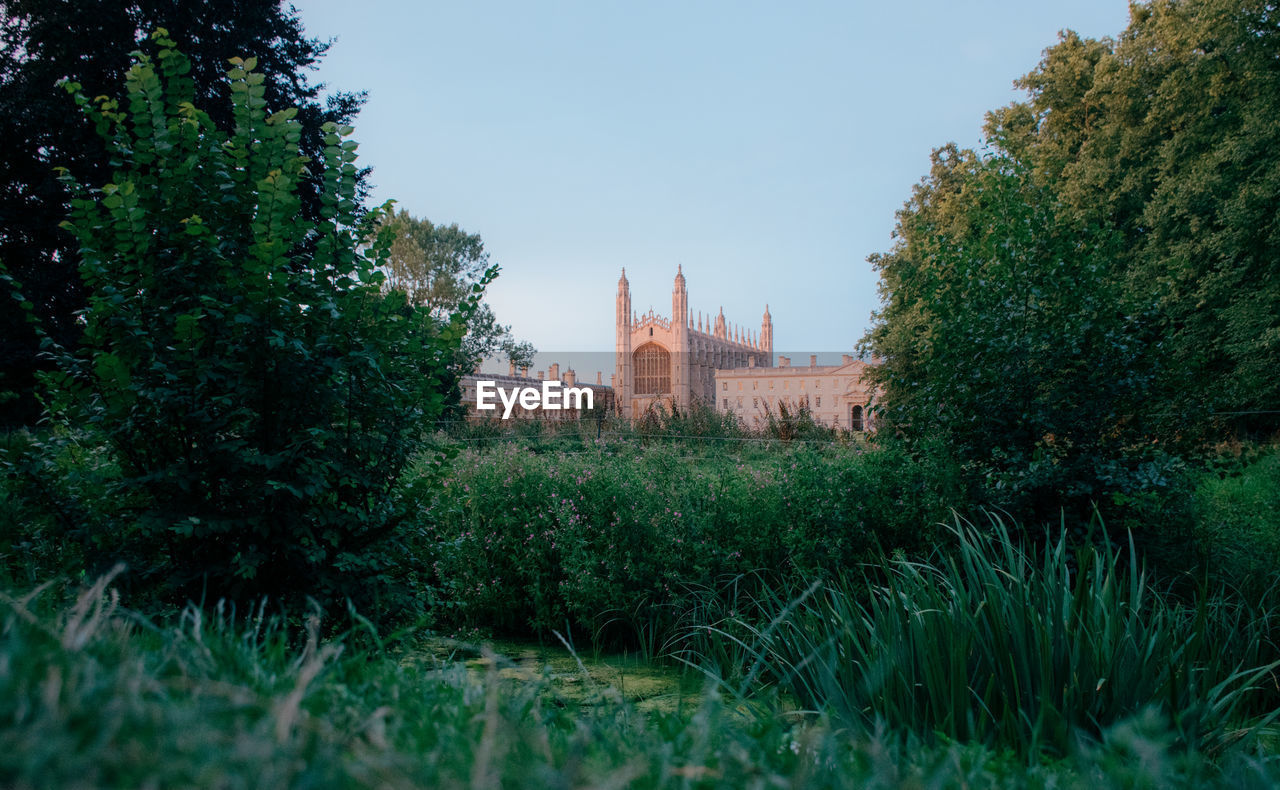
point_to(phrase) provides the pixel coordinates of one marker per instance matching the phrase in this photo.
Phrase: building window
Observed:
(739, 386)
(755, 385)
(755, 403)
(855, 418)
(652, 364)
(739, 401)
(724, 385)
(817, 402)
(726, 404)
(771, 385)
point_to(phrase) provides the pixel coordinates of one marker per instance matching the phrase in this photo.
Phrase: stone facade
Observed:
(835, 395)
(683, 359)
(674, 360)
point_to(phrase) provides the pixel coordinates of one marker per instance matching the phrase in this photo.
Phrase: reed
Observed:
(1033, 650)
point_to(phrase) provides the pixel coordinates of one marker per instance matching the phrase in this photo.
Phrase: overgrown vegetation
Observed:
(1018, 647)
(252, 393)
(92, 694)
(1236, 516)
(615, 538)
(1067, 334)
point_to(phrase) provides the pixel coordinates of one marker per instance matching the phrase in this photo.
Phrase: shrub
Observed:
(258, 393)
(1237, 523)
(624, 533)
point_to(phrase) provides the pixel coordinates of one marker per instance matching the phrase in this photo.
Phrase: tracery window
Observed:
(652, 364)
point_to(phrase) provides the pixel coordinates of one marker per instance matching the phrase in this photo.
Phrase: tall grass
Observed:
(94, 696)
(1237, 520)
(1019, 649)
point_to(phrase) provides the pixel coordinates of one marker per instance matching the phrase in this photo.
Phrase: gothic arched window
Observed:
(652, 365)
(855, 418)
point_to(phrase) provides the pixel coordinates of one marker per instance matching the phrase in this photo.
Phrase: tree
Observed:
(434, 266)
(1004, 340)
(1171, 135)
(259, 393)
(1103, 282)
(89, 41)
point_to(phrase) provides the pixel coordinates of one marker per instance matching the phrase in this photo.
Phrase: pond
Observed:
(580, 677)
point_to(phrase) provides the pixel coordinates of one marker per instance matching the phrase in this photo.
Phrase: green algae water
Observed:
(582, 678)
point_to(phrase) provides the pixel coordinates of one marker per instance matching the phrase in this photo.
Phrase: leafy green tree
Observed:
(1170, 134)
(1003, 340)
(257, 390)
(89, 41)
(435, 266)
(1103, 282)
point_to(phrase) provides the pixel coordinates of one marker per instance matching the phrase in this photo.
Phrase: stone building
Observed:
(674, 360)
(836, 395)
(682, 359)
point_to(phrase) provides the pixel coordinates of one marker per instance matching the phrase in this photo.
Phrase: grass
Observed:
(1016, 649)
(1237, 522)
(94, 696)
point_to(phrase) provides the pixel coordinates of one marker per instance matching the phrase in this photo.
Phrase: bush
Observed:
(1237, 523)
(257, 392)
(624, 534)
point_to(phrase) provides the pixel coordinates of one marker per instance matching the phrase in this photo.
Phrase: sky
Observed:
(763, 146)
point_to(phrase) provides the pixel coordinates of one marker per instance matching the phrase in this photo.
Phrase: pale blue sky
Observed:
(764, 146)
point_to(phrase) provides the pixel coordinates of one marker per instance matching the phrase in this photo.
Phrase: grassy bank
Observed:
(1019, 646)
(91, 695)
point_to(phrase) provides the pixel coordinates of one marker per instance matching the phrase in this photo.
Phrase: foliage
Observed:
(663, 420)
(434, 266)
(1002, 341)
(1170, 135)
(1095, 291)
(998, 645)
(1237, 524)
(92, 695)
(89, 42)
(796, 422)
(257, 391)
(618, 537)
